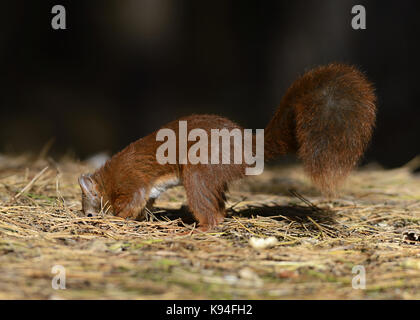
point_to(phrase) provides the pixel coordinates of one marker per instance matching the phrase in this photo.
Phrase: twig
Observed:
(30, 184)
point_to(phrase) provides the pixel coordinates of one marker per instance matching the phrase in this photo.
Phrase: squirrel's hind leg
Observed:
(206, 200)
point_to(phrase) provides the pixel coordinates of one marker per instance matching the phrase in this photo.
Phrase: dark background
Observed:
(124, 68)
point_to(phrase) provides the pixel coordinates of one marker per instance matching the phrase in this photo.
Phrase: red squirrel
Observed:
(326, 117)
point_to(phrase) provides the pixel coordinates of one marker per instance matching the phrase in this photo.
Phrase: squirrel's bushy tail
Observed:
(327, 117)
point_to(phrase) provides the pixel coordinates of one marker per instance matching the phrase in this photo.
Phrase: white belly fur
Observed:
(162, 185)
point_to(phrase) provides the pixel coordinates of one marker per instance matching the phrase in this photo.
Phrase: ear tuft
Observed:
(87, 184)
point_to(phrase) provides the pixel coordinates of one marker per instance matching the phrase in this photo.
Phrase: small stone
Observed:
(263, 243)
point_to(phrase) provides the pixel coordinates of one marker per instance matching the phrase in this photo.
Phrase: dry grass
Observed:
(318, 241)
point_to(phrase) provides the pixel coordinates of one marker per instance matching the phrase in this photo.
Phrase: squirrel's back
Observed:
(327, 117)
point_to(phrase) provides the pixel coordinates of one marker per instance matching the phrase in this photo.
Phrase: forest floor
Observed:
(280, 240)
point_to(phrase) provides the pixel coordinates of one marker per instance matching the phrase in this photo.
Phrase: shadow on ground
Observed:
(295, 213)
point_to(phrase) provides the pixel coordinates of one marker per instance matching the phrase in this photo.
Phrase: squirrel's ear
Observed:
(87, 184)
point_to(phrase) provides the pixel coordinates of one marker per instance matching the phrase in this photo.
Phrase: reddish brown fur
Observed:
(326, 116)
(136, 167)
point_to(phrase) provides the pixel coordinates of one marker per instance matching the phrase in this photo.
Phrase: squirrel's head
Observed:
(93, 198)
